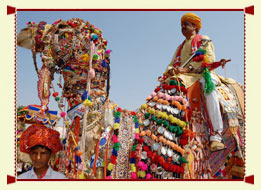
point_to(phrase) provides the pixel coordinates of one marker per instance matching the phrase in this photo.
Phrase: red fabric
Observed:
(76, 130)
(194, 94)
(188, 115)
(40, 135)
(214, 65)
(196, 42)
(177, 62)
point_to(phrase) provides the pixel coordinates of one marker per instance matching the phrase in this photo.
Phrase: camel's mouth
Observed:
(26, 43)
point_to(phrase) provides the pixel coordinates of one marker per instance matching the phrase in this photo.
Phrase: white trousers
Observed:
(213, 110)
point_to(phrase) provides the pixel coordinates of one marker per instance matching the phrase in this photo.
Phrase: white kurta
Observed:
(50, 174)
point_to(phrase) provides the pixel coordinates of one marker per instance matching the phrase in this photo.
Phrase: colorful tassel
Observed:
(209, 85)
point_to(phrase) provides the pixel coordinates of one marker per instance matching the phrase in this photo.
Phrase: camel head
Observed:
(76, 50)
(25, 37)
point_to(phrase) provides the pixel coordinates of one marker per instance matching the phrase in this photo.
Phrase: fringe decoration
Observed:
(209, 85)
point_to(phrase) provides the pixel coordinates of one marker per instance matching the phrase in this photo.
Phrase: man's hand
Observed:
(223, 63)
(183, 70)
(178, 70)
(198, 70)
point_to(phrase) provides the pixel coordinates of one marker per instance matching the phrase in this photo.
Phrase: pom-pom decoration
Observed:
(94, 37)
(95, 57)
(57, 99)
(91, 73)
(104, 64)
(107, 53)
(55, 94)
(87, 103)
(85, 58)
(63, 114)
(84, 95)
(148, 176)
(115, 140)
(133, 175)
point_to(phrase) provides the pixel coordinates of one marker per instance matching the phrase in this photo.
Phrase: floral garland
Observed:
(116, 142)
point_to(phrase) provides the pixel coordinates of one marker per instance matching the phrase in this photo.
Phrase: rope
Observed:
(96, 156)
(88, 89)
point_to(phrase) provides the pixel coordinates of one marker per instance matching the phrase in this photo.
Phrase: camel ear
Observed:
(25, 39)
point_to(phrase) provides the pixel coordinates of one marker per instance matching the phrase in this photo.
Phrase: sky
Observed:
(142, 44)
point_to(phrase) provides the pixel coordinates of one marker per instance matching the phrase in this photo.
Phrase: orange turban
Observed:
(193, 18)
(40, 135)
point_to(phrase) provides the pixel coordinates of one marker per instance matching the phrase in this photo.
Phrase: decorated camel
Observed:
(166, 139)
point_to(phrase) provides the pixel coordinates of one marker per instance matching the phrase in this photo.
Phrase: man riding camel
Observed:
(192, 71)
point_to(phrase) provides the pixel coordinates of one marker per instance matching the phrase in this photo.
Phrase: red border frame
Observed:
(12, 10)
(130, 9)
